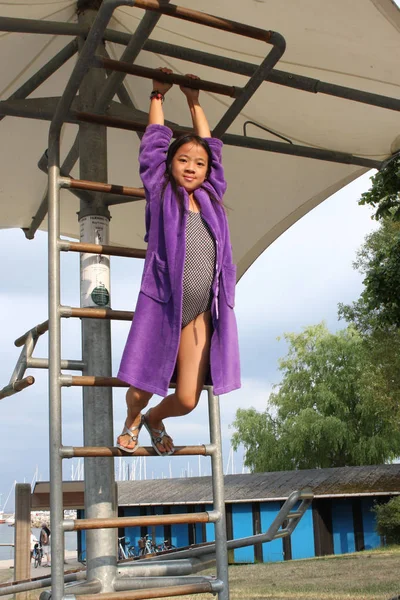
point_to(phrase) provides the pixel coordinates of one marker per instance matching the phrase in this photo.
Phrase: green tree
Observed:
(388, 520)
(384, 194)
(330, 410)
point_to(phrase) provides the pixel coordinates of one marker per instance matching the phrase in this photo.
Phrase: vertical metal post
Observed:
(218, 493)
(100, 500)
(22, 559)
(57, 513)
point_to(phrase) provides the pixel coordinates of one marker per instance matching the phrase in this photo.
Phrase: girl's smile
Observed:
(189, 166)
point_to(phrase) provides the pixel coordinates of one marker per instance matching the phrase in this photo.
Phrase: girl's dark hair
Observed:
(172, 150)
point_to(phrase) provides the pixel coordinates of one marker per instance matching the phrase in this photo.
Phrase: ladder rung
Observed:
(66, 246)
(96, 186)
(17, 386)
(91, 381)
(209, 587)
(147, 73)
(93, 451)
(97, 313)
(143, 520)
(35, 331)
(294, 515)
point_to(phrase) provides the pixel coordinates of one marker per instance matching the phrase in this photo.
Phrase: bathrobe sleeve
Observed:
(216, 177)
(152, 156)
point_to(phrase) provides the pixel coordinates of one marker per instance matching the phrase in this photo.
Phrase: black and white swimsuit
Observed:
(199, 268)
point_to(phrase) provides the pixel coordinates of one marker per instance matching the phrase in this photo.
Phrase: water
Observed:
(7, 536)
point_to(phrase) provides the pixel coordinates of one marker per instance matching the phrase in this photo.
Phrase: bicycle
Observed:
(126, 550)
(146, 546)
(164, 546)
(37, 555)
(121, 549)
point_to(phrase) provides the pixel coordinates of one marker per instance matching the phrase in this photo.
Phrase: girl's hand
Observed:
(190, 93)
(161, 86)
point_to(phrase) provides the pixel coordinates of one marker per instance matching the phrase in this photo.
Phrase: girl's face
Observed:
(189, 166)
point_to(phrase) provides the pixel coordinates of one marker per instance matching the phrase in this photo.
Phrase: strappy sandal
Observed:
(134, 437)
(156, 436)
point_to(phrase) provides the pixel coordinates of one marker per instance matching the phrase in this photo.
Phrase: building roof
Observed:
(336, 482)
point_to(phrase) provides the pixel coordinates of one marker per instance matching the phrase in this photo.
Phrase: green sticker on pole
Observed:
(100, 295)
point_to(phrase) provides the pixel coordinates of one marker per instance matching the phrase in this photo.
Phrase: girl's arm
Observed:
(201, 127)
(155, 142)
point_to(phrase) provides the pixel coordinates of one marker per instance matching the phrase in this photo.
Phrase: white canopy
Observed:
(353, 44)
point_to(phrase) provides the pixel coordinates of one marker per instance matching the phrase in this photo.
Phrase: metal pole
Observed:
(100, 500)
(218, 493)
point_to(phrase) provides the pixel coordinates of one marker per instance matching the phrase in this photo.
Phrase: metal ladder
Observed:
(100, 520)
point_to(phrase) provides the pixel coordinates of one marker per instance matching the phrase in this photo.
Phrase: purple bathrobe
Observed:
(150, 354)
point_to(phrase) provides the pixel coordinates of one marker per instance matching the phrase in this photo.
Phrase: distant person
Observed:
(44, 540)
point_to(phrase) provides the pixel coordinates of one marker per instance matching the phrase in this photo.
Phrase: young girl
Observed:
(184, 319)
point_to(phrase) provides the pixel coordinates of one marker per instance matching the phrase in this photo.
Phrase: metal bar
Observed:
(145, 520)
(37, 583)
(202, 18)
(96, 313)
(218, 493)
(43, 363)
(84, 451)
(107, 188)
(227, 138)
(253, 84)
(131, 52)
(180, 590)
(17, 386)
(246, 142)
(161, 568)
(101, 249)
(291, 80)
(284, 78)
(35, 332)
(161, 581)
(45, 72)
(147, 73)
(25, 354)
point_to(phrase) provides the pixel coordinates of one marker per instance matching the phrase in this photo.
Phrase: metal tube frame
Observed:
(218, 493)
(56, 498)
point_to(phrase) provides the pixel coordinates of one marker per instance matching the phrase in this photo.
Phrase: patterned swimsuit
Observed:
(199, 268)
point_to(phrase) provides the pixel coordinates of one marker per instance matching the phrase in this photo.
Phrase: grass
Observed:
(368, 575)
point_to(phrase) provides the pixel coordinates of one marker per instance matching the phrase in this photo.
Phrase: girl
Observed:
(184, 319)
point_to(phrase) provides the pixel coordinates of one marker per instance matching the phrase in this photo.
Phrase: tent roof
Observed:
(354, 44)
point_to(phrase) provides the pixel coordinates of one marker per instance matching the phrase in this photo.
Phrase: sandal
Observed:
(156, 436)
(134, 437)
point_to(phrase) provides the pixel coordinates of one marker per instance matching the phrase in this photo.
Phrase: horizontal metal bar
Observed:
(174, 78)
(179, 590)
(284, 78)
(122, 584)
(96, 313)
(35, 331)
(201, 18)
(242, 141)
(162, 568)
(143, 520)
(17, 386)
(43, 363)
(37, 583)
(106, 188)
(100, 249)
(295, 515)
(92, 451)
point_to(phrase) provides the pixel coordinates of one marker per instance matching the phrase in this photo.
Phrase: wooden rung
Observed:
(94, 381)
(17, 386)
(98, 313)
(294, 515)
(159, 592)
(107, 188)
(92, 451)
(101, 249)
(35, 331)
(143, 521)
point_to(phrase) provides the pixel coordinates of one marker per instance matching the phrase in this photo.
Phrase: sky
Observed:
(297, 281)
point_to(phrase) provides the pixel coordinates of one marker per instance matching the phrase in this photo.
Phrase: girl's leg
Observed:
(192, 366)
(136, 401)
